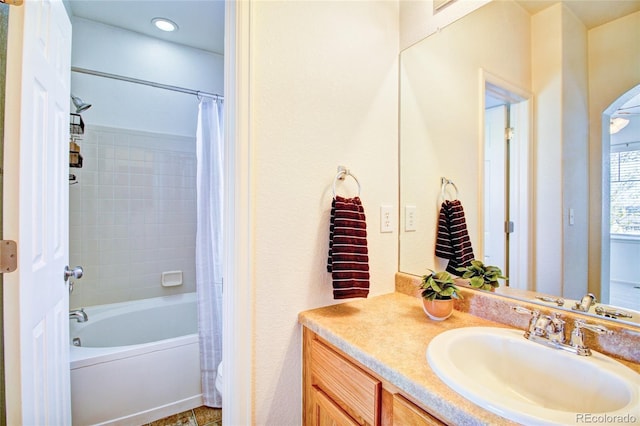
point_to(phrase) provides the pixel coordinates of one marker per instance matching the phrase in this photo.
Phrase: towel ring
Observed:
(340, 176)
(446, 182)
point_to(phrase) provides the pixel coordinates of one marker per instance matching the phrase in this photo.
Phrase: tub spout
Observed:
(79, 315)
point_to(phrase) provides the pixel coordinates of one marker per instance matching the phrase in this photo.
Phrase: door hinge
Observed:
(508, 133)
(508, 227)
(8, 256)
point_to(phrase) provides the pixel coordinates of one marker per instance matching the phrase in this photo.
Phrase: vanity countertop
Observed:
(389, 335)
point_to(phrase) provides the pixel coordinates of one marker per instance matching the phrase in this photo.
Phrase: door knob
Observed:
(75, 273)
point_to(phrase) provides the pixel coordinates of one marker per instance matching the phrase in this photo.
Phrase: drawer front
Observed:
(351, 388)
(405, 413)
(327, 413)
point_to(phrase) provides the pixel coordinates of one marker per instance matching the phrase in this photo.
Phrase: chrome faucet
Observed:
(549, 330)
(555, 329)
(585, 303)
(79, 315)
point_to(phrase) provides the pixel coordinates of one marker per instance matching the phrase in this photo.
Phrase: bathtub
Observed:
(138, 361)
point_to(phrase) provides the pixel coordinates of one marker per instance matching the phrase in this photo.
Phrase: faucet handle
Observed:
(577, 335)
(522, 310)
(535, 314)
(585, 303)
(596, 328)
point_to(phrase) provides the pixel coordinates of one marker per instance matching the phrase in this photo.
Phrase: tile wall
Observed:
(132, 215)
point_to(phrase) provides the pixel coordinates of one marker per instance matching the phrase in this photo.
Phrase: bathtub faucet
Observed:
(79, 315)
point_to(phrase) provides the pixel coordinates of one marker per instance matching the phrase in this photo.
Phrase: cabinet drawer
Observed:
(326, 412)
(355, 391)
(405, 413)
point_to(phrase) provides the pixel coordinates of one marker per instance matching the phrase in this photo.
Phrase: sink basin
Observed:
(501, 371)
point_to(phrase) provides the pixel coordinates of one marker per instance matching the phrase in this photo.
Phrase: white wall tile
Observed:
(133, 214)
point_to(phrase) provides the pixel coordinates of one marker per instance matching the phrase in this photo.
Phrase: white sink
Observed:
(501, 371)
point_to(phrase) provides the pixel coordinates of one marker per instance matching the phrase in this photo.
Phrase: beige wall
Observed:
(559, 46)
(324, 92)
(575, 156)
(324, 79)
(418, 19)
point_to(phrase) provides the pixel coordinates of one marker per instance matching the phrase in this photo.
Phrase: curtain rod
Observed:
(147, 83)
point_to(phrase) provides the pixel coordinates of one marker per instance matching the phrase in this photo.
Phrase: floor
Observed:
(201, 416)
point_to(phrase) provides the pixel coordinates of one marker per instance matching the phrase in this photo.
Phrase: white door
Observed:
(495, 187)
(36, 213)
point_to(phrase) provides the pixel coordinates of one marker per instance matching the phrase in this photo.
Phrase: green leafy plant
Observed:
(482, 276)
(439, 285)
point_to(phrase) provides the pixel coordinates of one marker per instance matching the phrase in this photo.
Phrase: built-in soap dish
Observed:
(171, 278)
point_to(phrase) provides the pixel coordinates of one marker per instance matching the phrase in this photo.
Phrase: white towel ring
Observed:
(340, 176)
(446, 182)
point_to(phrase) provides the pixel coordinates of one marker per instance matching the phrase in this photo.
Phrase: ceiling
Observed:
(200, 22)
(592, 13)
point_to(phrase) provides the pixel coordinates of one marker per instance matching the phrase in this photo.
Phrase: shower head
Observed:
(80, 104)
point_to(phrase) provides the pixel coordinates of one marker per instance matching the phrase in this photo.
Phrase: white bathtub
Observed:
(139, 361)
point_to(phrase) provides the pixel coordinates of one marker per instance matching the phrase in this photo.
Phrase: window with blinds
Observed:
(625, 191)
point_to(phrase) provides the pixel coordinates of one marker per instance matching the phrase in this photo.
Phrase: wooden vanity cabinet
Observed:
(338, 391)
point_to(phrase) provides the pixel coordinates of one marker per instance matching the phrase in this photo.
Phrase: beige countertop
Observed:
(389, 335)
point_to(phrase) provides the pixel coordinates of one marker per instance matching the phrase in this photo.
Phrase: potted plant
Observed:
(438, 292)
(482, 276)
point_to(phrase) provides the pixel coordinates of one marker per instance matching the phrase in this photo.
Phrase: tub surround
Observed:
(388, 335)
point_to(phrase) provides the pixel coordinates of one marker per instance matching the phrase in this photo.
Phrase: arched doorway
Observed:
(621, 201)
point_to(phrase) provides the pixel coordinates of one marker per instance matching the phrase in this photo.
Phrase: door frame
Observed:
(238, 295)
(523, 183)
(237, 326)
(4, 24)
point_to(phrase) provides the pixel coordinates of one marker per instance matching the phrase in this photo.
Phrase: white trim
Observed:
(238, 298)
(625, 238)
(603, 284)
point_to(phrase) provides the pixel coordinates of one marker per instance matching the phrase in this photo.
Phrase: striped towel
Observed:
(453, 241)
(348, 256)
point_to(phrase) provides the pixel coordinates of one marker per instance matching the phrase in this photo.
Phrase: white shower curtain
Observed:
(209, 153)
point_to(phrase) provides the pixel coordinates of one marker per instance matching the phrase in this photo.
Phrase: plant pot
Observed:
(437, 309)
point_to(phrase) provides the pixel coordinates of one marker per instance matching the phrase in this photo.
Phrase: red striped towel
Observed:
(348, 256)
(453, 241)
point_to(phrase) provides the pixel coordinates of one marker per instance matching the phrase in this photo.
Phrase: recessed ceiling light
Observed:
(164, 24)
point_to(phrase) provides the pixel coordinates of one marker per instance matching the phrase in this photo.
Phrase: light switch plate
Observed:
(410, 218)
(386, 219)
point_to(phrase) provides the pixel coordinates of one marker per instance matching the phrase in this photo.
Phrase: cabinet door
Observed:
(353, 389)
(326, 412)
(405, 413)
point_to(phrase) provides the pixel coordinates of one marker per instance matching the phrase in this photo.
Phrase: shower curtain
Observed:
(209, 151)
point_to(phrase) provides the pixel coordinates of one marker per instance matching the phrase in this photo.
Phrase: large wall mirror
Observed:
(549, 77)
